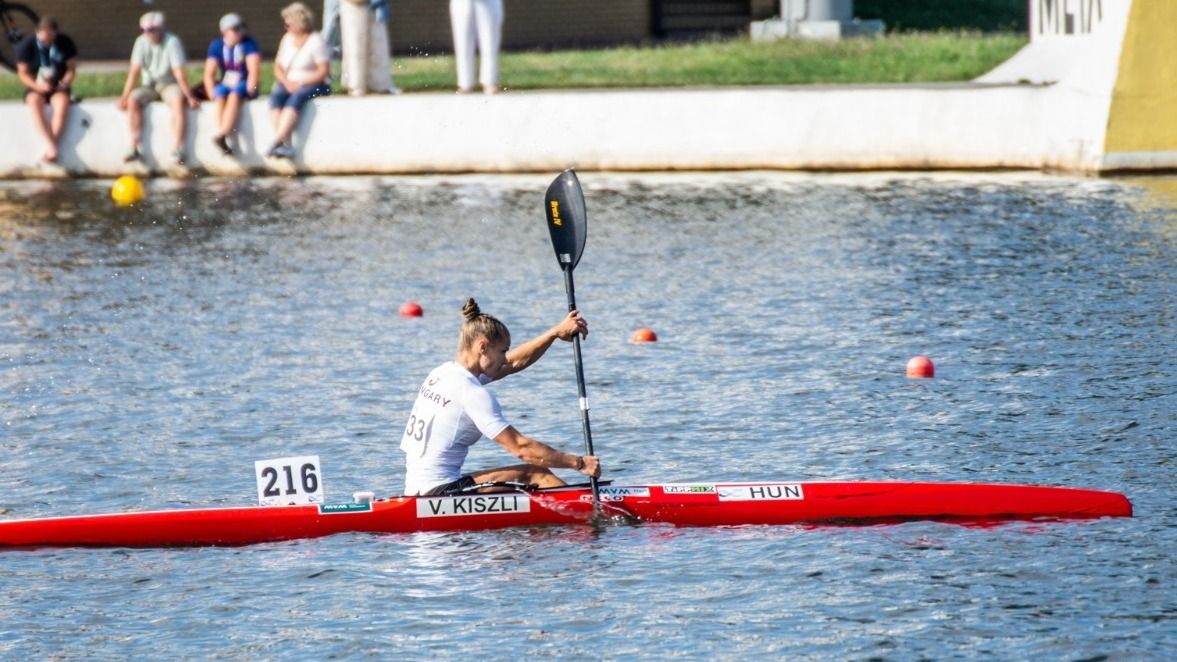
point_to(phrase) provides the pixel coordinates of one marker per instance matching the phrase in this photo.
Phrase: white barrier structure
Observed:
(1082, 96)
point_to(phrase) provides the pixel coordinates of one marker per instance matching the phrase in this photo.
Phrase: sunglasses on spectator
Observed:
(150, 30)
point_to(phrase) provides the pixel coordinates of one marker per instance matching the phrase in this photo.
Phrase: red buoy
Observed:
(411, 309)
(920, 367)
(643, 335)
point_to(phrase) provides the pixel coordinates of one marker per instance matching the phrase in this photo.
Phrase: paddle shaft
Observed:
(570, 289)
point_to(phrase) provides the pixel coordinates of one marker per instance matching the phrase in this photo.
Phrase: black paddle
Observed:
(568, 223)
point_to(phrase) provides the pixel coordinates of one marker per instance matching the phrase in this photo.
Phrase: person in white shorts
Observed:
(454, 409)
(477, 23)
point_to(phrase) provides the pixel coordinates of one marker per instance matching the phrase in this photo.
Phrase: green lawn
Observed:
(898, 58)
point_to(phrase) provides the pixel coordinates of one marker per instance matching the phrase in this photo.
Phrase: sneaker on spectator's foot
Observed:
(133, 155)
(223, 145)
(178, 156)
(281, 151)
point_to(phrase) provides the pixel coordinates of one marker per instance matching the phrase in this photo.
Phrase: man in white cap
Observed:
(157, 61)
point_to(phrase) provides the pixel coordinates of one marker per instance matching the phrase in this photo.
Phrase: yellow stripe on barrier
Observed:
(1143, 113)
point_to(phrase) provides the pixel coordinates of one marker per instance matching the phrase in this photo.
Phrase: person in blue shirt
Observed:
(236, 58)
(46, 64)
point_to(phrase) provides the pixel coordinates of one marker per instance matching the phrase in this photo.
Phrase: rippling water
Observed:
(148, 357)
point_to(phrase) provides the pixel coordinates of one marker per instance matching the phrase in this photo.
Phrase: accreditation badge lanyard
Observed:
(48, 69)
(232, 58)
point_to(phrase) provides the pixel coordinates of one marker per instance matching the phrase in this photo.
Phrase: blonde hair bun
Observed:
(470, 310)
(477, 324)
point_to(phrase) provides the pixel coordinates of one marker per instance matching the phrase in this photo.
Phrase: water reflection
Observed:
(148, 356)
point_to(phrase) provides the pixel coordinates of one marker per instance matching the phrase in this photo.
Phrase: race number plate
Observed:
(289, 481)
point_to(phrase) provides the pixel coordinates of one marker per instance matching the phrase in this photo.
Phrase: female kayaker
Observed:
(454, 409)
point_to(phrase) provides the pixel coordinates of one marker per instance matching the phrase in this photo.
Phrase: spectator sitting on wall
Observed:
(46, 64)
(236, 57)
(157, 60)
(301, 72)
(364, 37)
(477, 22)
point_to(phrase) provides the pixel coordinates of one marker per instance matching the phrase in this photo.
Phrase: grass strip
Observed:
(902, 58)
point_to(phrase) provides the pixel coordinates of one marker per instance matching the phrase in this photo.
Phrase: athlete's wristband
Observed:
(580, 463)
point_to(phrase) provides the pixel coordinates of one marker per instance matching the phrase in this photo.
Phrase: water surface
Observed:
(149, 356)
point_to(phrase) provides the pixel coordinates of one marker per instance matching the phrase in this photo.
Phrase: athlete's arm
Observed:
(530, 351)
(540, 454)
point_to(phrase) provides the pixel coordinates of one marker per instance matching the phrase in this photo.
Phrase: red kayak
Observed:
(681, 504)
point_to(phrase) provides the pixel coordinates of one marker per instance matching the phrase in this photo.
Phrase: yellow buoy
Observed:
(127, 190)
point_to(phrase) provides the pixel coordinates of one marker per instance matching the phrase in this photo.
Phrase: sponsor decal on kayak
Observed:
(623, 492)
(618, 493)
(479, 504)
(337, 508)
(773, 492)
(688, 489)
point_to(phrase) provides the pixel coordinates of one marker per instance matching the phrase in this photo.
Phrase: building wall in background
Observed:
(106, 29)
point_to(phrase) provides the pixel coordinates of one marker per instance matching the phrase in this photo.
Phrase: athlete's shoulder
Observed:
(449, 375)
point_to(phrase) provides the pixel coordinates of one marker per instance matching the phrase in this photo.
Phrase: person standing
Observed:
(157, 62)
(330, 30)
(477, 23)
(235, 56)
(46, 63)
(302, 71)
(454, 409)
(364, 38)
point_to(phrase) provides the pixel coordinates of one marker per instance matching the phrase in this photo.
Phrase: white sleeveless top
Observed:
(454, 409)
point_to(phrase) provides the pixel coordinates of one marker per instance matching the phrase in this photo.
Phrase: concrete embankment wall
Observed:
(875, 127)
(1093, 91)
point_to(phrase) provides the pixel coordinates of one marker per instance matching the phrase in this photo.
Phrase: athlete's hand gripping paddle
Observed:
(568, 223)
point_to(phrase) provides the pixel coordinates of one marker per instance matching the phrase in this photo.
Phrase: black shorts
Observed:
(453, 487)
(48, 96)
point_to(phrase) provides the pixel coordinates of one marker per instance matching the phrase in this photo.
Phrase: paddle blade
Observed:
(567, 218)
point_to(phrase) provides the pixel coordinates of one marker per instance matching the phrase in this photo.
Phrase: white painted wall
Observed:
(821, 127)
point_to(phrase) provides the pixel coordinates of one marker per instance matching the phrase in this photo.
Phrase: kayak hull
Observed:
(680, 504)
